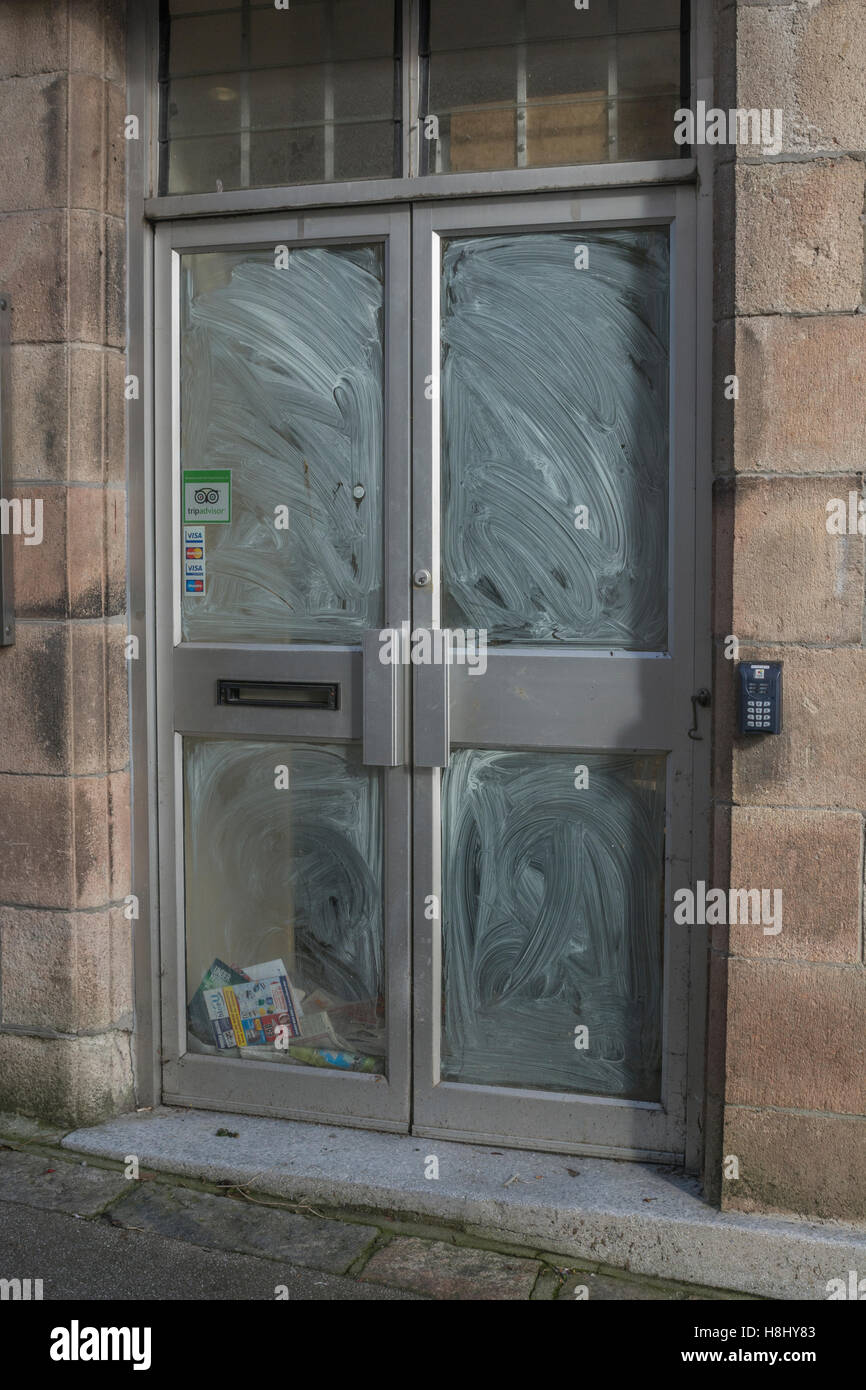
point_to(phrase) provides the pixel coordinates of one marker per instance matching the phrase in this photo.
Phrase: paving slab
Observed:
(602, 1288)
(55, 1184)
(94, 1260)
(452, 1272)
(637, 1217)
(226, 1223)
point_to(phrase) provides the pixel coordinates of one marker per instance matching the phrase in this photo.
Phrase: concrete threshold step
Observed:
(639, 1217)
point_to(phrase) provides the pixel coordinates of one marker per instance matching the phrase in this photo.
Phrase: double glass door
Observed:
(425, 571)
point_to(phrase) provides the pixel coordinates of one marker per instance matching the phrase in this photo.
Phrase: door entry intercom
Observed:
(760, 697)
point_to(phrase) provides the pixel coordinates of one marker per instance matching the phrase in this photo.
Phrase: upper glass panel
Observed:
(555, 439)
(510, 84)
(254, 96)
(281, 438)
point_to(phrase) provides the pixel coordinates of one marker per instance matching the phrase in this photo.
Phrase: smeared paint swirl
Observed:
(554, 396)
(552, 918)
(281, 381)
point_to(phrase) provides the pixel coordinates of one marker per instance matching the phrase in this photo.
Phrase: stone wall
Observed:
(787, 1060)
(65, 945)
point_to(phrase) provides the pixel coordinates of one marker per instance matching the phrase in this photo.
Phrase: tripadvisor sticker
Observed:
(207, 495)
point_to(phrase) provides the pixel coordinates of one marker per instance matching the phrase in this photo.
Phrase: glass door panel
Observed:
(282, 388)
(555, 436)
(552, 921)
(283, 850)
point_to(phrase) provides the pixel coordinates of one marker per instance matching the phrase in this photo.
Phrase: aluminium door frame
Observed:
(186, 676)
(647, 690)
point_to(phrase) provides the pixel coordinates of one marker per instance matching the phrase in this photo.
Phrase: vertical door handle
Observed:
(432, 709)
(382, 701)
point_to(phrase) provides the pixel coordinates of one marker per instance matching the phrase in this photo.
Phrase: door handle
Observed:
(432, 709)
(701, 697)
(382, 701)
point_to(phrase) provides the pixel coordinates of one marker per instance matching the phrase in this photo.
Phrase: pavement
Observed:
(101, 1229)
(583, 1212)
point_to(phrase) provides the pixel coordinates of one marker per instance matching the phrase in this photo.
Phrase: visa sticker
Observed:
(193, 560)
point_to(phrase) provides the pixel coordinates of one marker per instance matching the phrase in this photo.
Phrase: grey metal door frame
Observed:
(648, 692)
(186, 682)
(568, 700)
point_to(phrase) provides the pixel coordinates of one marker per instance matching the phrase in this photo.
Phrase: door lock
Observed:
(421, 578)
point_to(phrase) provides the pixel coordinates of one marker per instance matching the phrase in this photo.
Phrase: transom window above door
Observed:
(260, 94)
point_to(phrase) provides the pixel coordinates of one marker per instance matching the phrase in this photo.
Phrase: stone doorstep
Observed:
(397, 1258)
(644, 1219)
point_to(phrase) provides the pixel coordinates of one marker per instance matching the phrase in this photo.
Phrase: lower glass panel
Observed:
(284, 929)
(553, 873)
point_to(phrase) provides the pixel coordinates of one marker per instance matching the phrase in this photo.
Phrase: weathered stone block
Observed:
(96, 37)
(41, 580)
(87, 697)
(221, 1223)
(33, 272)
(796, 1037)
(115, 151)
(809, 1164)
(452, 1271)
(802, 405)
(114, 418)
(119, 831)
(33, 152)
(815, 859)
(33, 37)
(34, 690)
(87, 370)
(809, 60)
(29, 1180)
(799, 238)
(792, 580)
(97, 283)
(117, 682)
(74, 1080)
(88, 139)
(36, 840)
(68, 972)
(38, 410)
(78, 569)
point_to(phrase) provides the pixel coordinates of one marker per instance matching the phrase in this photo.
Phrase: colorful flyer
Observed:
(193, 560)
(207, 495)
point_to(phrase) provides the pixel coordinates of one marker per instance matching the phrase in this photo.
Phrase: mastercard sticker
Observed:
(194, 577)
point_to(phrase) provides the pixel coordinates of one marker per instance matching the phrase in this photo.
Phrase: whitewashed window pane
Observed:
(555, 403)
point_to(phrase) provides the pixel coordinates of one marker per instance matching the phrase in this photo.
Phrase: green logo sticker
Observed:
(207, 495)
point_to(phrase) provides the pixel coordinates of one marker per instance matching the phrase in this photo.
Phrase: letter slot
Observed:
(280, 694)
